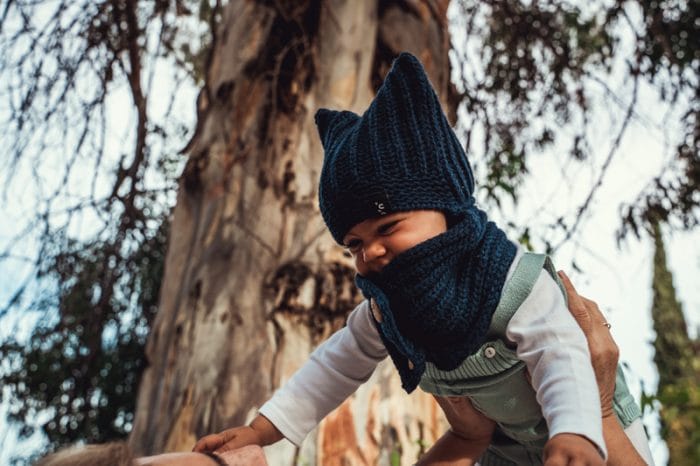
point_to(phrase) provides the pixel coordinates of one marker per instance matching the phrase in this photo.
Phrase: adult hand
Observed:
(469, 435)
(603, 349)
(465, 420)
(252, 455)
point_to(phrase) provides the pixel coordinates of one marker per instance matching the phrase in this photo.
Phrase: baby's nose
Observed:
(372, 251)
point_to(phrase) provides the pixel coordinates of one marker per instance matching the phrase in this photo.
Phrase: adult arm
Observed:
(468, 437)
(621, 451)
(556, 354)
(604, 357)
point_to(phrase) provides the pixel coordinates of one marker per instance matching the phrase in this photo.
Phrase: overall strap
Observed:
(518, 288)
(495, 360)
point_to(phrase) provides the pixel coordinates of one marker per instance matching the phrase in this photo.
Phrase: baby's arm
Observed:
(556, 354)
(333, 372)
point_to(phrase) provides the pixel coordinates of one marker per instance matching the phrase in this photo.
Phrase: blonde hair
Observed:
(108, 454)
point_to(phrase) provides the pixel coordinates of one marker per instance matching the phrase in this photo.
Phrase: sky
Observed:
(617, 277)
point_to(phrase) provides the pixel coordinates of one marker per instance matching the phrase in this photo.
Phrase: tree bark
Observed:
(252, 281)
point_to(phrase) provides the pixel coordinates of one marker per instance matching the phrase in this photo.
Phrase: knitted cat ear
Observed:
(410, 67)
(330, 122)
(408, 87)
(408, 100)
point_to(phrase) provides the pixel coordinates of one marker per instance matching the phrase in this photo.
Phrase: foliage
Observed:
(96, 188)
(532, 58)
(678, 361)
(83, 363)
(527, 74)
(669, 55)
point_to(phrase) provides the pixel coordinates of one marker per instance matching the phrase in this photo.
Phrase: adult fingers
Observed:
(577, 305)
(604, 351)
(578, 462)
(600, 326)
(464, 419)
(556, 460)
(594, 311)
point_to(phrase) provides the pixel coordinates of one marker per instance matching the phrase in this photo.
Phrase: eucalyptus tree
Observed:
(250, 282)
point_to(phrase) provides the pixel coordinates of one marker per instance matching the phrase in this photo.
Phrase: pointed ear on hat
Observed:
(323, 119)
(329, 121)
(409, 71)
(407, 62)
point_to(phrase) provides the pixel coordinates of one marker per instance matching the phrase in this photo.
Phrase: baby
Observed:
(463, 312)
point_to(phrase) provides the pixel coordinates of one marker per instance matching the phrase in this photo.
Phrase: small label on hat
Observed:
(381, 207)
(379, 201)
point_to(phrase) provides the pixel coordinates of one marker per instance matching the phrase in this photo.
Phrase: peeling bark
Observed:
(253, 281)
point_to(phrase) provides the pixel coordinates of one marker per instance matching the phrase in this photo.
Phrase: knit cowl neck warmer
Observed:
(436, 299)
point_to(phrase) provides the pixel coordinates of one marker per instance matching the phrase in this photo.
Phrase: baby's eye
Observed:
(353, 245)
(387, 228)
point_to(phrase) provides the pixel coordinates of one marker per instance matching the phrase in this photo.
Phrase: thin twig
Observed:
(611, 153)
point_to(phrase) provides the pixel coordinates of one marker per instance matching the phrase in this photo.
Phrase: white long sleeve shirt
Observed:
(546, 336)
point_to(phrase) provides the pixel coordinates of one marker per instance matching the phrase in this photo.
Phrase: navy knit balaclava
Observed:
(400, 155)
(437, 298)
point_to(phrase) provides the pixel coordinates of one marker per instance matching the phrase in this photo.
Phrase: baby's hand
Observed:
(260, 432)
(571, 449)
(229, 439)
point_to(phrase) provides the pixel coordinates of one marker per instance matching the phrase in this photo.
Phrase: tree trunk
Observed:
(252, 281)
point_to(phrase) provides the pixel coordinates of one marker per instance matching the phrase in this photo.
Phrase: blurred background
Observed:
(164, 267)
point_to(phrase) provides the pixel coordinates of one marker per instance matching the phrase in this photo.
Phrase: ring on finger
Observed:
(607, 324)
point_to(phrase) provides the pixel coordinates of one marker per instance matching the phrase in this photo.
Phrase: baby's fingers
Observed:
(209, 443)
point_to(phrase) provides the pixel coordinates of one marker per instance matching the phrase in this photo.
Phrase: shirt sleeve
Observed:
(555, 350)
(636, 434)
(332, 373)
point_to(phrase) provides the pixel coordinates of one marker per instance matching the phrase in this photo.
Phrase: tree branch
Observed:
(611, 153)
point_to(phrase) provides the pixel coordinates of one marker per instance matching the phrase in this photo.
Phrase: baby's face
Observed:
(376, 241)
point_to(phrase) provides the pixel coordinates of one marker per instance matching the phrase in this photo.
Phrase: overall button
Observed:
(489, 352)
(410, 365)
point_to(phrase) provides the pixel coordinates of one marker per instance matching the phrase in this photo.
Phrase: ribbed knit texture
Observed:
(437, 298)
(624, 405)
(400, 155)
(475, 366)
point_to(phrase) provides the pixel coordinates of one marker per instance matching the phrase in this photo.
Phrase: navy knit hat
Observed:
(400, 155)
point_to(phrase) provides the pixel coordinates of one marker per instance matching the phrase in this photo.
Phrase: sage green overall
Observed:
(496, 382)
